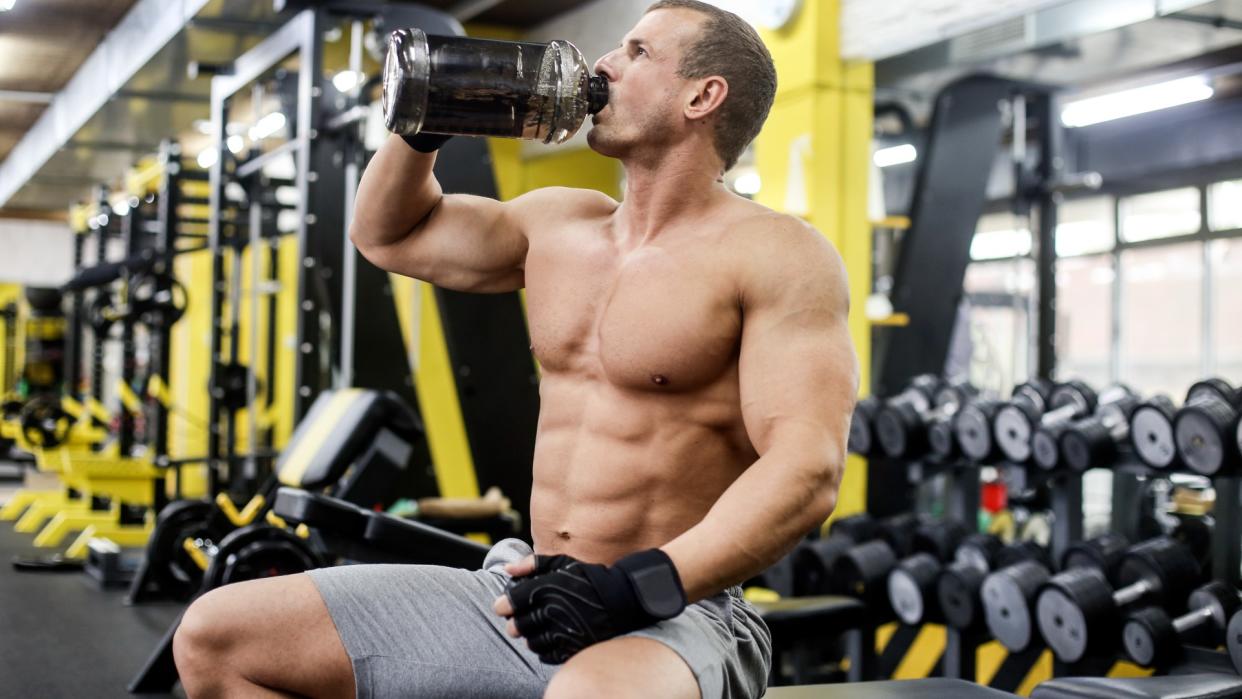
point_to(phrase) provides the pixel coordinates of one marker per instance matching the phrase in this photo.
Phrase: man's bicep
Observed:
(798, 369)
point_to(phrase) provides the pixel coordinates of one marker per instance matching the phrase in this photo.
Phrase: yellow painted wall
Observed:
(190, 359)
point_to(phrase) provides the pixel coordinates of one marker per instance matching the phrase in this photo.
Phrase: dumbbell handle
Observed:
(1193, 620)
(1133, 592)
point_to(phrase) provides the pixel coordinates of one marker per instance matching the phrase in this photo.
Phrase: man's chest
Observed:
(659, 318)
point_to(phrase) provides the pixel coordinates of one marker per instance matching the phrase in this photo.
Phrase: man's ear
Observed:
(708, 97)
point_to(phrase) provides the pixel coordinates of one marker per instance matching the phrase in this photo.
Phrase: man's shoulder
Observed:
(562, 201)
(778, 250)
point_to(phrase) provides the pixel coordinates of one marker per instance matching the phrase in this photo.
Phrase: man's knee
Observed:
(624, 667)
(205, 630)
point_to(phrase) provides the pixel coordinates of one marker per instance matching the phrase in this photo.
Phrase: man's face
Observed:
(645, 94)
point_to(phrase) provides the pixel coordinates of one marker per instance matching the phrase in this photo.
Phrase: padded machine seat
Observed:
(935, 688)
(1196, 686)
(801, 623)
(377, 536)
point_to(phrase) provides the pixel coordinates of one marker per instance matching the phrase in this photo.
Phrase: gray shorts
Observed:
(429, 631)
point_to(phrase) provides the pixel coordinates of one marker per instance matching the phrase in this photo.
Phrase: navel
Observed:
(563, 536)
(659, 379)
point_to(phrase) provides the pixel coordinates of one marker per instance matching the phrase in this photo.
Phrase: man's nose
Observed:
(603, 67)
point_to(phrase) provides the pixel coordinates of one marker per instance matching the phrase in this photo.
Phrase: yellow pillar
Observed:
(813, 160)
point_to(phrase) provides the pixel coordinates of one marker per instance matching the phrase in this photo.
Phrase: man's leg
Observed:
(262, 638)
(625, 667)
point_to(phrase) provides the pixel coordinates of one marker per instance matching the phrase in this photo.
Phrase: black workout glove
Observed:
(425, 142)
(567, 605)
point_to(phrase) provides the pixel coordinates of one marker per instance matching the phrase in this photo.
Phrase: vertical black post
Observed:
(73, 346)
(1048, 171)
(131, 234)
(100, 339)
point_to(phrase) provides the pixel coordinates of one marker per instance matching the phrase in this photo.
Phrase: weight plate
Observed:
(905, 597)
(1044, 449)
(1202, 432)
(1062, 624)
(860, 437)
(957, 592)
(973, 429)
(940, 440)
(173, 570)
(892, 431)
(1147, 634)
(1151, 433)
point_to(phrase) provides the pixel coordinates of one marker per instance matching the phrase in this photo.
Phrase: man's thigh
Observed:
(628, 666)
(279, 634)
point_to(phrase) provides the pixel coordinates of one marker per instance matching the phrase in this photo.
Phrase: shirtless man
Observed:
(697, 386)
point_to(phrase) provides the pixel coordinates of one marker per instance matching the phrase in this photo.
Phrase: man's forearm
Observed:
(396, 193)
(756, 521)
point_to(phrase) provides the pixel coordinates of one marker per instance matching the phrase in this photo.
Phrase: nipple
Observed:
(659, 379)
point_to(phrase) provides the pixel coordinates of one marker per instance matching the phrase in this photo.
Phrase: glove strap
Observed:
(655, 581)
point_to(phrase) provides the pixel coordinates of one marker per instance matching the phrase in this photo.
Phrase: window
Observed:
(1226, 290)
(999, 297)
(1225, 205)
(1164, 214)
(1084, 318)
(1085, 226)
(1161, 318)
(999, 236)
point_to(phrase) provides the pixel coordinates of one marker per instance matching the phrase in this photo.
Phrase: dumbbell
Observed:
(958, 587)
(913, 582)
(1151, 433)
(1018, 420)
(1093, 441)
(861, 440)
(1009, 594)
(813, 560)
(1233, 641)
(863, 570)
(1079, 611)
(901, 424)
(1205, 428)
(972, 430)
(1149, 633)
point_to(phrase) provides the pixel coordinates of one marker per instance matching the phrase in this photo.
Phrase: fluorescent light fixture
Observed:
(896, 155)
(346, 80)
(208, 157)
(268, 125)
(235, 143)
(1139, 100)
(6, 5)
(747, 183)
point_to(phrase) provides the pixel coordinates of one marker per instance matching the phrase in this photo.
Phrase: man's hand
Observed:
(562, 605)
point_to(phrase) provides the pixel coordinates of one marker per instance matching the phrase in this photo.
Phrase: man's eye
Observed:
(641, 51)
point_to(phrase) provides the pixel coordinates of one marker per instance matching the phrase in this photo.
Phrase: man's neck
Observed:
(662, 192)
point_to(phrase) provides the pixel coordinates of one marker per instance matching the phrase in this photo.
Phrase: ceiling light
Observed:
(268, 125)
(1139, 100)
(6, 5)
(346, 80)
(235, 144)
(208, 157)
(896, 155)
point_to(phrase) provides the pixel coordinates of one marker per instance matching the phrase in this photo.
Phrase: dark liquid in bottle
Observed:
(481, 87)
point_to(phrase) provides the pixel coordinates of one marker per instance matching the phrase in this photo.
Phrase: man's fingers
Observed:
(502, 606)
(512, 630)
(526, 566)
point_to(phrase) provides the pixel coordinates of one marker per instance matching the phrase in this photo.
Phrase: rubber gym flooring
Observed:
(62, 637)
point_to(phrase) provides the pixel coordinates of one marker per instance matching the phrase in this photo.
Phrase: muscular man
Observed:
(697, 385)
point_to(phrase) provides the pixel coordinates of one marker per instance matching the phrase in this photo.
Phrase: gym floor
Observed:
(61, 637)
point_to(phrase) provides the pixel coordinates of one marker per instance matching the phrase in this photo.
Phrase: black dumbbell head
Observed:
(1148, 634)
(1220, 600)
(955, 394)
(1076, 393)
(1211, 388)
(860, 437)
(1035, 392)
(1007, 597)
(900, 431)
(1104, 553)
(1046, 445)
(1162, 560)
(979, 550)
(1023, 551)
(1087, 444)
(813, 564)
(1013, 428)
(898, 532)
(1233, 641)
(940, 539)
(972, 427)
(1206, 435)
(1151, 432)
(862, 572)
(912, 588)
(1076, 612)
(858, 527)
(957, 594)
(941, 442)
